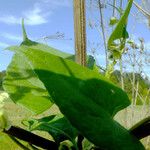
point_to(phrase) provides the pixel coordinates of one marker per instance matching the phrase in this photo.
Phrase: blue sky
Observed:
(42, 18)
(47, 17)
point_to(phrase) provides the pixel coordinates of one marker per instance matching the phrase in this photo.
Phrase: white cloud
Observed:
(38, 14)
(9, 19)
(58, 3)
(147, 45)
(35, 16)
(3, 45)
(11, 37)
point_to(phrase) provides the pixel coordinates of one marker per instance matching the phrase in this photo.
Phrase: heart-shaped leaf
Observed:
(87, 99)
(22, 83)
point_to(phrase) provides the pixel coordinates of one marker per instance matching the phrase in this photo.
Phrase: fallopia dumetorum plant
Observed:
(40, 76)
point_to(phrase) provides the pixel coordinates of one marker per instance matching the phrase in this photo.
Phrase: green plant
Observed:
(40, 76)
(68, 85)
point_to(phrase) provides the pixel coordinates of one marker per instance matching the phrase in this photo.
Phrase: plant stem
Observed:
(121, 73)
(31, 138)
(114, 4)
(147, 14)
(141, 129)
(79, 141)
(103, 31)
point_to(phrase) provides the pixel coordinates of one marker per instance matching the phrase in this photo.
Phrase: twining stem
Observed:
(25, 38)
(79, 141)
(114, 4)
(141, 129)
(147, 14)
(31, 138)
(103, 31)
(121, 2)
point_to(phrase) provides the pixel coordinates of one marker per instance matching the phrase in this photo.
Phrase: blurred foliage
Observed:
(144, 85)
(2, 74)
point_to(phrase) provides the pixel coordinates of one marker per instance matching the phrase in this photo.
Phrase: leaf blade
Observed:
(64, 81)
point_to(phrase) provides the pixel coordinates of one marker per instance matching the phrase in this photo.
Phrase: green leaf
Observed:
(119, 33)
(91, 63)
(79, 76)
(22, 83)
(6, 143)
(56, 125)
(87, 99)
(35, 45)
(24, 87)
(25, 38)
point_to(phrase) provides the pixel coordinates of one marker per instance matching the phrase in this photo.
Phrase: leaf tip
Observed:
(24, 31)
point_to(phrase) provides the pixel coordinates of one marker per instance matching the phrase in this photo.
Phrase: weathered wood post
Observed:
(80, 31)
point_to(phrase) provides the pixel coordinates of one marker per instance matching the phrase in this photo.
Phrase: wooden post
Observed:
(80, 31)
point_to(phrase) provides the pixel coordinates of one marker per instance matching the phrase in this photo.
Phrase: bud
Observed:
(113, 21)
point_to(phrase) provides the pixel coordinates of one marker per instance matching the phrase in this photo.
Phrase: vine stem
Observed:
(114, 4)
(79, 141)
(31, 138)
(103, 31)
(141, 9)
(141, 129)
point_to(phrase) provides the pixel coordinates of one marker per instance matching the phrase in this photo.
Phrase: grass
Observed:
(16, 113)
